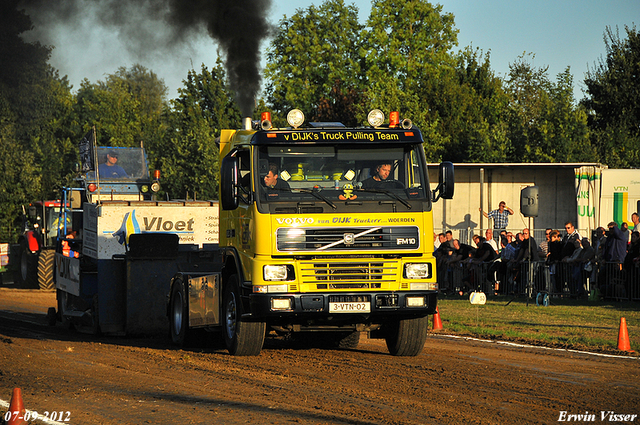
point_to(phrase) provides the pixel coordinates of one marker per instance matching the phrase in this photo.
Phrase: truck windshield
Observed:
(332, 176)
(127, 164)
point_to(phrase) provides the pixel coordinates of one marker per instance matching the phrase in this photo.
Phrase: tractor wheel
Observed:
(27, 275)
(46, 260)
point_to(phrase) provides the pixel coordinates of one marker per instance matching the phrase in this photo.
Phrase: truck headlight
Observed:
(417, 270)
(275, 272)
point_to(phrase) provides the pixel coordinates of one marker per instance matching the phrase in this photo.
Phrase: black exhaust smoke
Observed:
(159, 27)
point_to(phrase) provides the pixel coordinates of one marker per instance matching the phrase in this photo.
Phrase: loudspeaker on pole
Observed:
(529, 201)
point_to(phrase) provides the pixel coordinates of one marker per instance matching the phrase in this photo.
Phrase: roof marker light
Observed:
(375, 118)
(394, 119)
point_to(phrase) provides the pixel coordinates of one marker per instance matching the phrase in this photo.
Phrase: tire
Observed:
(179, 315)
(95, 317)
(63, 299)
(52, 317)
(241, 338)
(406, 337)
(348, 341)
(46, 260)
(327, 340)
(27, 275)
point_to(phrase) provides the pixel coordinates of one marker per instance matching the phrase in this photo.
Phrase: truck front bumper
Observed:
(338, 306)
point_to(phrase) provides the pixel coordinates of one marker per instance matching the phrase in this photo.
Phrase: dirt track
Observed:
(136, 381)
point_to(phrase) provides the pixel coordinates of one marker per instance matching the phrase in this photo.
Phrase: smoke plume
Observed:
(160, 28)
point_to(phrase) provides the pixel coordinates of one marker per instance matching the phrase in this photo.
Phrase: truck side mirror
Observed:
(263, 167)
(229, 177)
(446, 182)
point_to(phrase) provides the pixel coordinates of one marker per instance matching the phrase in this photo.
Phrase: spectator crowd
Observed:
(565, 263)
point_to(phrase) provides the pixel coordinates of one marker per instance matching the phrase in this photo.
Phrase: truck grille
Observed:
(347, 238)
(349, 275)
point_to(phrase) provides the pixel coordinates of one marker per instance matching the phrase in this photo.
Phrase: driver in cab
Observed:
(379, 178)
(271, 180)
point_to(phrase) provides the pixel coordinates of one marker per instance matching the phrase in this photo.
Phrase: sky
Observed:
(559, 33)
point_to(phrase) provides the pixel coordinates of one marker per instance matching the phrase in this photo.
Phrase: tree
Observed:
(19, 180)
(126, 108)
(311, 51)
(150, 93)
(478, 129)
(544, 123)
(613, 100)
(35, 107)
(189, 158)
(340, 105)
(410, 68)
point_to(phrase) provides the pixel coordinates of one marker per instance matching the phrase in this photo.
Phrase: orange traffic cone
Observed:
(623, 336)
(437, 323)
(16, 408)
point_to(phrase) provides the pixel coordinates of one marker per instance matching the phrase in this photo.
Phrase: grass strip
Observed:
(565, 323)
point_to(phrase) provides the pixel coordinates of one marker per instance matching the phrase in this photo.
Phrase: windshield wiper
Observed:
(390, 194)
(317, 195)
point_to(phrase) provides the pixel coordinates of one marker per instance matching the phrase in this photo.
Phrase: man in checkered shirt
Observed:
(500, 216)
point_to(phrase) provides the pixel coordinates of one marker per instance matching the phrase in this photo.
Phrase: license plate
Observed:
(350, 307)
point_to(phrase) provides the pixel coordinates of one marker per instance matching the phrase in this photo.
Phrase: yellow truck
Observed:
(324, 231)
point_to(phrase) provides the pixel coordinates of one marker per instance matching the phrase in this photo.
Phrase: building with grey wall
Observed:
(485, 185)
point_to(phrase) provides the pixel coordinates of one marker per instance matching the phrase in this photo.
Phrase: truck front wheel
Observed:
(241, 338)
(406, 337)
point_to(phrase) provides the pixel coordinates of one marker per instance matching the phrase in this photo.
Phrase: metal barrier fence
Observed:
(611, 280)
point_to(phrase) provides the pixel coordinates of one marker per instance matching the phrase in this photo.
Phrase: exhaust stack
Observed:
(246, 123)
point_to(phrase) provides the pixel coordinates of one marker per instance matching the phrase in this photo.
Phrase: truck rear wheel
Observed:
(328, 340)
(179, 314)
(63, 299)
(45, 269)
(349, 340)
(406, 337)
(242, 338)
